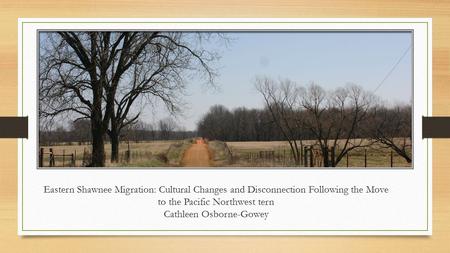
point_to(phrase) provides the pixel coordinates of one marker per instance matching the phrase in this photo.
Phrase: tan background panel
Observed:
(10, 10)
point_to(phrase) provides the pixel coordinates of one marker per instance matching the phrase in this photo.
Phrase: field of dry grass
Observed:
(234, 154)
(142, 154)
(248, 154)
(220, 153)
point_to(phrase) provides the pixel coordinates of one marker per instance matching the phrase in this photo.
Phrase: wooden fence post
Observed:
(332, 156)
(64, 156)
(128, 153)
(305, 157)
(75, 159)
(365, 157)
(347, 159)
(51, 161)
(311, 157)
(41, 157)
(392, 159)
(127, 156)
(84, 157)
(301, 153)
(229, 152)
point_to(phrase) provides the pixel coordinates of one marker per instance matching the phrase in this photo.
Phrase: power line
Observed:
(393, 68)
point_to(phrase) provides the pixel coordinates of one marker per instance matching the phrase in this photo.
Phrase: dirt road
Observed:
(197, 155)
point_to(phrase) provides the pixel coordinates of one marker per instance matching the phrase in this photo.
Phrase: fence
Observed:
(312, 157)
(48, 157)
(53, 158)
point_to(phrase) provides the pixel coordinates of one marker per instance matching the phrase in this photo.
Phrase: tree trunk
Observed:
(294, 152)
(98, 147)
(97, 126)
(408, 159)
(333, 157)
(114, 137)
(297, 157)
(405, 156)
(326, 160)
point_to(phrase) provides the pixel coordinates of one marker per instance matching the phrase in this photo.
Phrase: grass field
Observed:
(248, 154)
(222, 154)
(142, 154)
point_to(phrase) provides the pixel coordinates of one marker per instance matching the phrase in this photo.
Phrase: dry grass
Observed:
(143, 154)
(220, 153)
(246, 154)
(176, 151)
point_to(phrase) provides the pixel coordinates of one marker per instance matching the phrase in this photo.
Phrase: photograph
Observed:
(225, 99)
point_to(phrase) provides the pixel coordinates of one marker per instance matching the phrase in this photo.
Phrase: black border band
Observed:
(13, 127)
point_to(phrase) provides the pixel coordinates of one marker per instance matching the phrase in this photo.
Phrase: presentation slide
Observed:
(285, 126)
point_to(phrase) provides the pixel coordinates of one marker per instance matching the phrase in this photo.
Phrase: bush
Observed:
(220, 152)
(176, 151)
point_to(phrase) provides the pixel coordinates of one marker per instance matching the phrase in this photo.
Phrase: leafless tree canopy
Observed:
(102, 82)
(333, 117)
(392, 128)
(100, 75)
(282, 101)
(80, 133)
(339, 120)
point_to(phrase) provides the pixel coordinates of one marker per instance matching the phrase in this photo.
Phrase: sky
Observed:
(330, 59)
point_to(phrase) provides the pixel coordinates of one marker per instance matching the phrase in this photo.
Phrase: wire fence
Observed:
(49, 157)
(313, 157)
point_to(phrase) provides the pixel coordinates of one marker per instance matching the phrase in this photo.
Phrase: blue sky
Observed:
(328, 59)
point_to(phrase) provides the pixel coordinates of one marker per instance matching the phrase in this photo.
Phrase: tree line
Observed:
(339, 120)
(79, 133)
(239, 124)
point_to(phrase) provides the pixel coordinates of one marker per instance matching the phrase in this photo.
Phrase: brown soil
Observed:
(197, 155)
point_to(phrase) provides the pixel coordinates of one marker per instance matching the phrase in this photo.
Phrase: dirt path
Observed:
(197, 155)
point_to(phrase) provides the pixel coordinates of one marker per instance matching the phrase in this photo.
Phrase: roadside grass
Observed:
(220, 153)
(226, 154)
(176, 152)
(153, 162)
(142, 154)
(252, 154)
(376, 157)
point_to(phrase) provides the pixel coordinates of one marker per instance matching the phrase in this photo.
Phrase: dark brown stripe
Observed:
(13, 127)
(435, 127)
(17, 127)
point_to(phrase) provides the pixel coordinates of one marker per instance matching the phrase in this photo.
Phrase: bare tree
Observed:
(158, 74)
(81, 129)
(239, 124)
(73, 70)
(216, 123)
(334, 118)
(282, 101)
(166, 128)
(150, 131)
(392, 129)
(81, 73)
